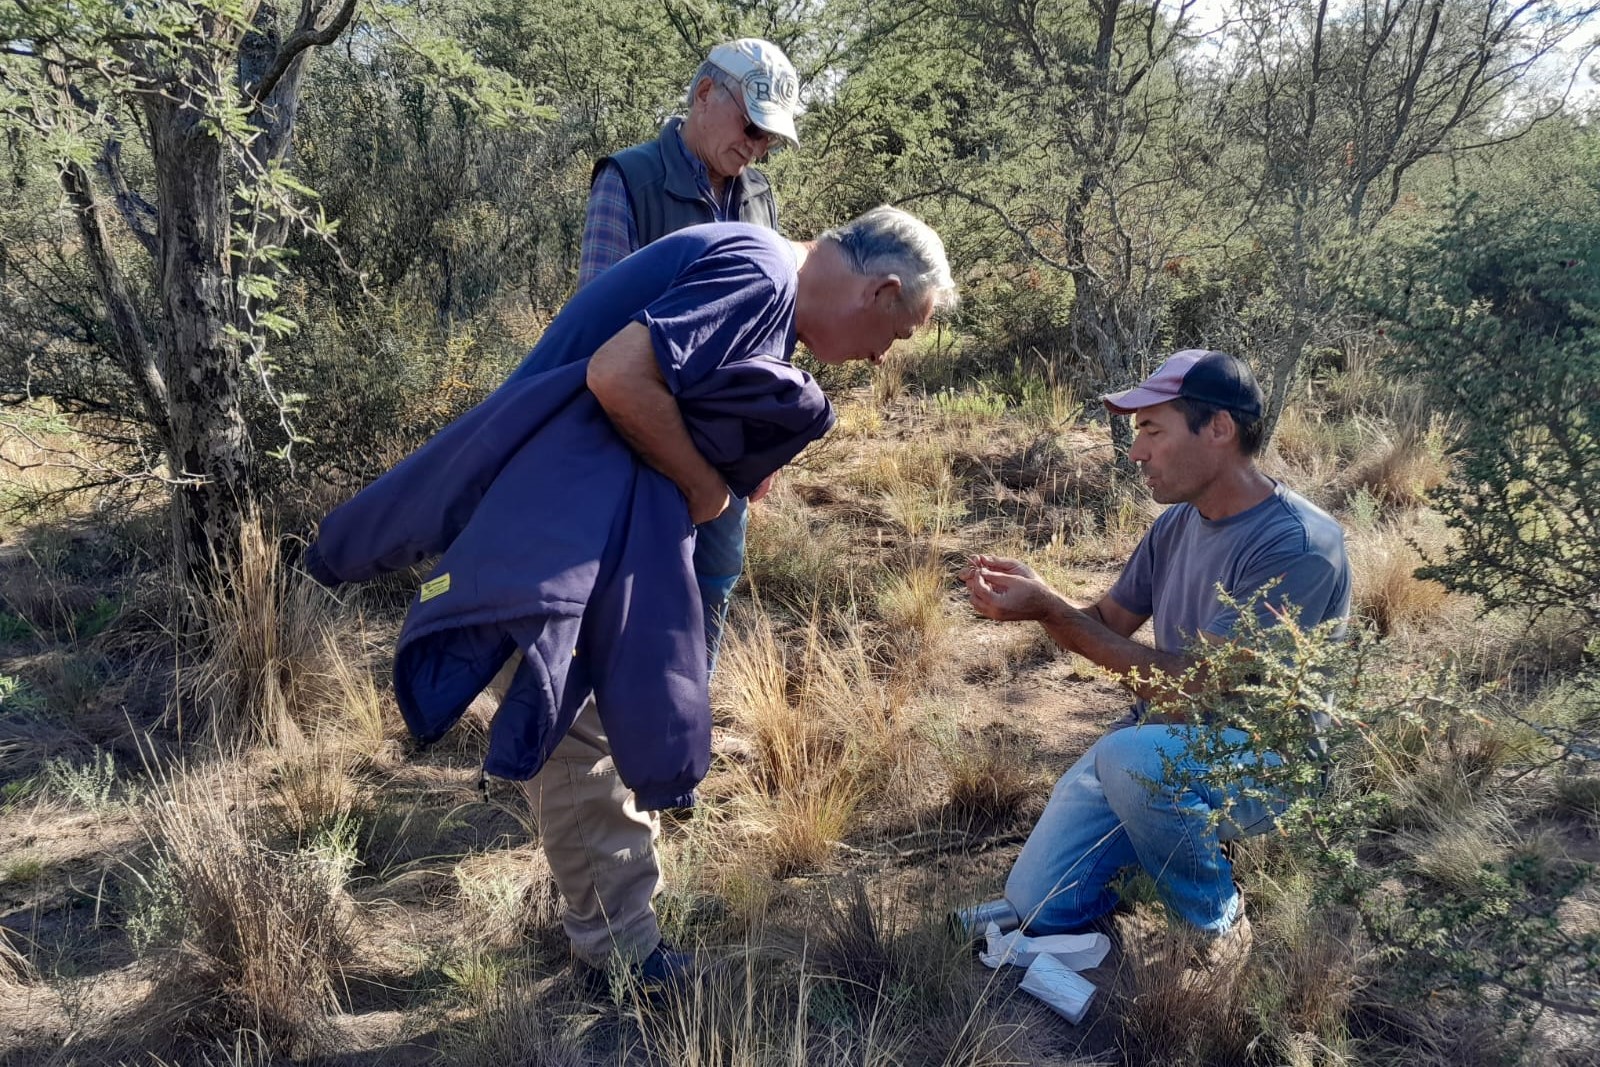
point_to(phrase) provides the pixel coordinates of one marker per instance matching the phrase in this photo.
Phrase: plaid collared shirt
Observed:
(609, 232)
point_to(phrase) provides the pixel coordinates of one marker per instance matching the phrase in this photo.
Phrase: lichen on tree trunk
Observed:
(211, 451)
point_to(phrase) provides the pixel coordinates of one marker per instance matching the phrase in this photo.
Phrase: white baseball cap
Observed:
(771, 88)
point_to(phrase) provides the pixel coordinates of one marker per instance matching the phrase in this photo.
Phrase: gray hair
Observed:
(887, 240)
(718, 76)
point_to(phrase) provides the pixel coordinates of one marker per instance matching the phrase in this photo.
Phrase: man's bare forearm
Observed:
(1084, 632)
(627, 382)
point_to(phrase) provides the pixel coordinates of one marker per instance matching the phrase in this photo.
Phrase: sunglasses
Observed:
(751, 130)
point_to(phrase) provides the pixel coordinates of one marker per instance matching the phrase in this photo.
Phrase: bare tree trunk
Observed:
(210, 442)
(1285, 373)
(1100, 325)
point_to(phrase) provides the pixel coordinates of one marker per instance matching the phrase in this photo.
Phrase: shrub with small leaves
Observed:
(1346, 736)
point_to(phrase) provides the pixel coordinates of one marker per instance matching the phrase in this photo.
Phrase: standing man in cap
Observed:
(1137, 796)
(741, 102)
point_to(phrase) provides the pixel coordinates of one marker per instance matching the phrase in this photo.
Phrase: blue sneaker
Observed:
(664, 971)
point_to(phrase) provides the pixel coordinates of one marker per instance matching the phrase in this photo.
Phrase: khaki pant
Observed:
(601, 848)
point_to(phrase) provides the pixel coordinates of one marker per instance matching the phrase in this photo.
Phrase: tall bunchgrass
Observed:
(830, 730)
(254, 937)
(1171, 1012)
(1386, 590)
(793, 562)
(859, 987)
(261, 639)
(992, 775)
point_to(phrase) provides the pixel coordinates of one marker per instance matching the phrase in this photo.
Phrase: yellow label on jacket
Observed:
(433, 588)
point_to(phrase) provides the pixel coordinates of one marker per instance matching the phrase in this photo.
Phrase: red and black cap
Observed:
(1214, 378)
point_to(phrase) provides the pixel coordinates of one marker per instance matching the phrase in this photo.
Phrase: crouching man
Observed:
(1138, 796)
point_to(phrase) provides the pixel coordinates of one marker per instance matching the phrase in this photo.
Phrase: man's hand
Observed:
(999, 564)
(1010, 596)
(764, 488)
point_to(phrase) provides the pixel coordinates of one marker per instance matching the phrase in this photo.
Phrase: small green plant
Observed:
(96, 618)
(22, 870)
(1364, 510)
(1495, 318)
(15, 628)
(92, 784)
(970, 407)
(477, 972)
(1397, 747)
(153, 903)
(17, 697)
(16, 791)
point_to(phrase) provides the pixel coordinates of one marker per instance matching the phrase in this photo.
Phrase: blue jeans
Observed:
(1136, 797)
(718, 560)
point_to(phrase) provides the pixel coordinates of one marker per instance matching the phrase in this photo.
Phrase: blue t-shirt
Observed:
(709, 295)
(1174, 573)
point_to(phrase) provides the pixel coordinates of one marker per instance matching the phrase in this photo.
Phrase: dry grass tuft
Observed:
(1455, 854)
(1405, 469)
(992, 776)
(311, 789)
(1311, 444)
(741, 1013)
(1172, 1013)
(503, 894)
(1308, 958)
(1127, 515)
(1386, 588)
(912, 605)
(922, 510)
(801, 793)
(353, 712)
(1440, 778)
(523, 1025)
(912, 982)
(887, 468)
(264, 634)
(262, 935)
(752, 688)
(800, 828)
(830, 730)
(1578, 793)
(756, 1011)
(15, 968)
(795, 563)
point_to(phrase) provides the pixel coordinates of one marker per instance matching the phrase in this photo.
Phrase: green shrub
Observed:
(1497, 317)
(1406, 748)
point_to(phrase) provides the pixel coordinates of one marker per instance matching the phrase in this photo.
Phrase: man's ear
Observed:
(702, 89)
(887, 289)
(1222, 428)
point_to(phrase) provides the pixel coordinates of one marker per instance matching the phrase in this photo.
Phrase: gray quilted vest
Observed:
(666, 197)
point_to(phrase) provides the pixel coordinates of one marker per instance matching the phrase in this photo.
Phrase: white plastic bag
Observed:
(1078, 952)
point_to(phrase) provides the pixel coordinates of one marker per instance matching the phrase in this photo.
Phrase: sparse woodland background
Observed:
(253, 253)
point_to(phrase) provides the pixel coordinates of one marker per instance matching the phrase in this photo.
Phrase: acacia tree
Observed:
(168, 126)
(1319, 112)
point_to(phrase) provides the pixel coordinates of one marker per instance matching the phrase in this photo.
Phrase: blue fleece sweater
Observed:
(560, 542)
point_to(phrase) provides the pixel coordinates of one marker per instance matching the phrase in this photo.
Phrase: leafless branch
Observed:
(306, 35)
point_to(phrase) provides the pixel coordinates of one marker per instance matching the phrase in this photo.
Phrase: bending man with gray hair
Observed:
(566, 505)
